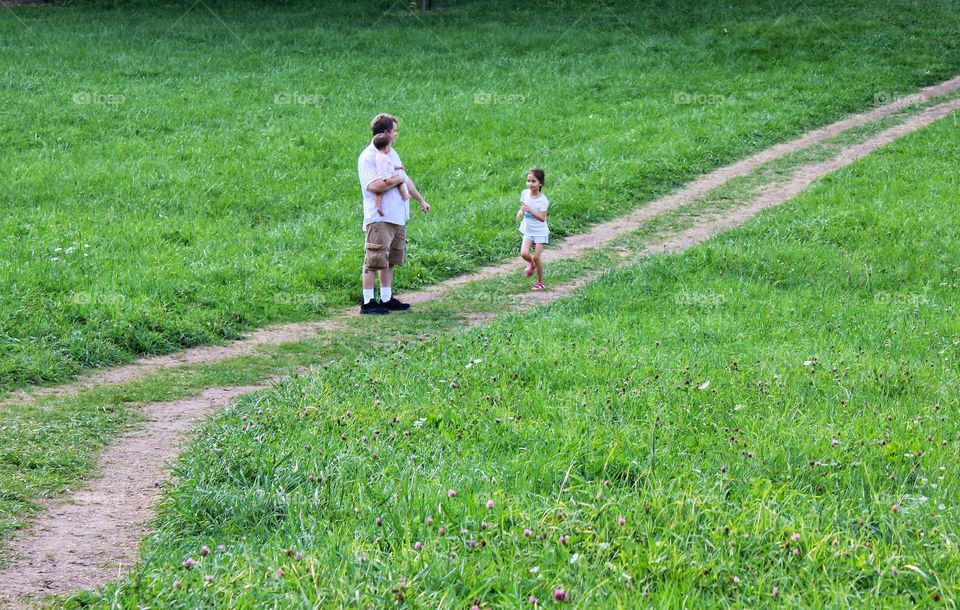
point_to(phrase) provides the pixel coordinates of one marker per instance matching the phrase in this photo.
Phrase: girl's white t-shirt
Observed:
(530, 225)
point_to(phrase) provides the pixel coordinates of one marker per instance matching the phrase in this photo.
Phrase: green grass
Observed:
(775, 408)
(50, 445)
(161, 190)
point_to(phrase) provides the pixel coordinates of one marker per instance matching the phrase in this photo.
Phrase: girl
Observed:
(533, 211)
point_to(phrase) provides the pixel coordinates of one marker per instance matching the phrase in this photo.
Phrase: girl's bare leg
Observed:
(525, 250)
(537, 251)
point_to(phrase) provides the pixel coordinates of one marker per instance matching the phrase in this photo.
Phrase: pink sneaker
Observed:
(529, 270)
(538, 286)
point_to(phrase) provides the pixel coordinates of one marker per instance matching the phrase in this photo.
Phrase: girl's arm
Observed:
(541, 216)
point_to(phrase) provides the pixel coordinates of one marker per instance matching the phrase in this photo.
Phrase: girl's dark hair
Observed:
(538, 174)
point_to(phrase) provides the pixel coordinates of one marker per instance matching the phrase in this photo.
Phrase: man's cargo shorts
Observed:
(386, 246)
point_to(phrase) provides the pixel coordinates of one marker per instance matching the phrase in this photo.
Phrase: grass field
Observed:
(50, 445)
(176, 173)
(769, 417)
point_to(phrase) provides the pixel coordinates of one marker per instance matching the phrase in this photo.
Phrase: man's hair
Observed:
(381, 141)
(538, 174)
(383, 123)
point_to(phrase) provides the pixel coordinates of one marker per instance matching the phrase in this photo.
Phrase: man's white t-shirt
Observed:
(530, 225)
(395, 209)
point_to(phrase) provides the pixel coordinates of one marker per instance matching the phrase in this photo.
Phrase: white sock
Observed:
(386, 293)
(367, 295)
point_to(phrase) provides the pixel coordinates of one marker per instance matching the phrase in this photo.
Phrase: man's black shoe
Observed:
(394, 305)
(373, 307)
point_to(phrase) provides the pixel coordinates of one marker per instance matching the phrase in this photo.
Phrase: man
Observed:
(386, 239)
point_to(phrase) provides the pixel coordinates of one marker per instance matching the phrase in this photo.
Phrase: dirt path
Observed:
(571, 247)
(95, 535)
(92, 537)
(769, 196)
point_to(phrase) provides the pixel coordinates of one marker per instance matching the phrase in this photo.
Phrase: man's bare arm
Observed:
(381, 186)
(416, 195)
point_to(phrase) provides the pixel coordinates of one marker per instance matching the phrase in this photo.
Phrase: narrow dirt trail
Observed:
(93, 536)
(571, 247)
